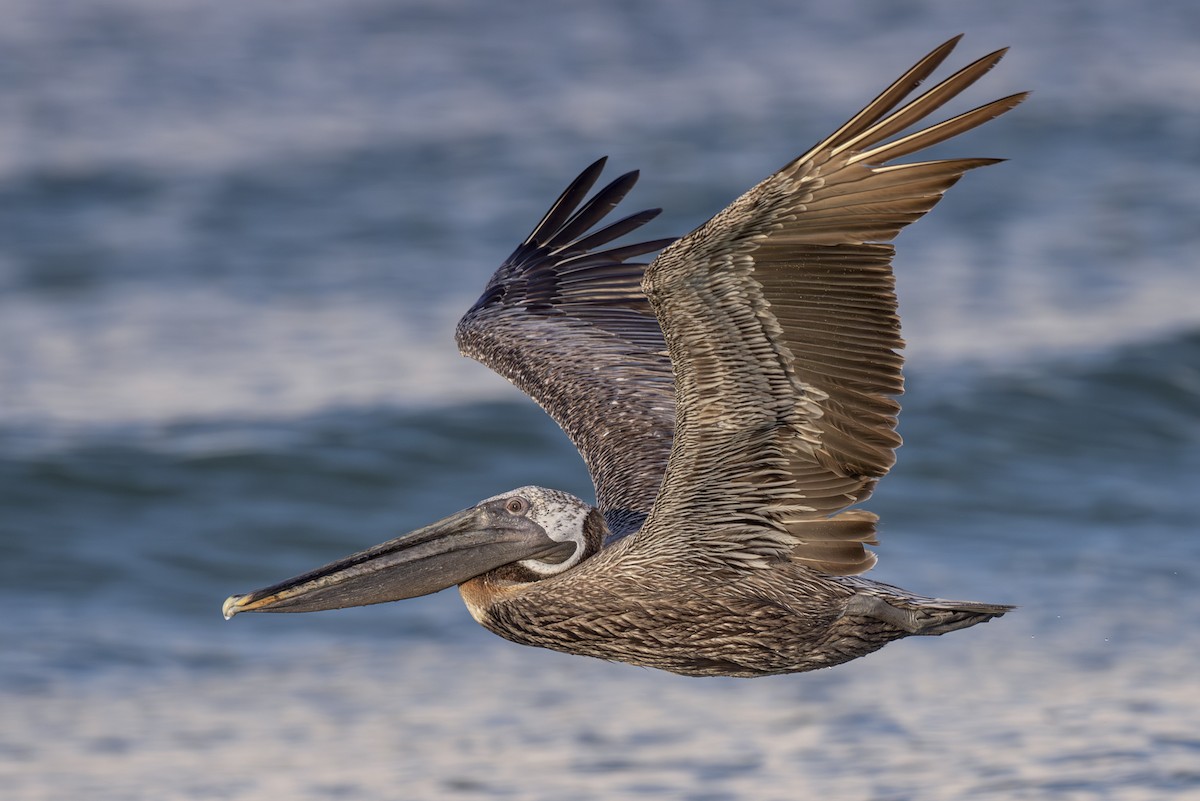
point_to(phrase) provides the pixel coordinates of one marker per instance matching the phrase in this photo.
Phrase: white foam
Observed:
(155, 357)
(1032, 308)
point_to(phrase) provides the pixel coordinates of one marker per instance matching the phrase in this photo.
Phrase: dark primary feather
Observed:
(568, 324)
(780, 318)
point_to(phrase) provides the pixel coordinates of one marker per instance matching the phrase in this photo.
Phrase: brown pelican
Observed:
(731, 400)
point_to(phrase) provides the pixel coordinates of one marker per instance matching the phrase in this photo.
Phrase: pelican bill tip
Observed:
(232, 606)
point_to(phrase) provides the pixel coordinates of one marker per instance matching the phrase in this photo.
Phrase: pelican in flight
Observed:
(731, 400)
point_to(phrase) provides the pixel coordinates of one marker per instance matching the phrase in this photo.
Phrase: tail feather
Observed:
(916, 615)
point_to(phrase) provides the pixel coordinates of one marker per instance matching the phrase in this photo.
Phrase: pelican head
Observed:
(518, 537)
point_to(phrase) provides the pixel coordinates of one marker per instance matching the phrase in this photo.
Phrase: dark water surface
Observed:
(233, 244)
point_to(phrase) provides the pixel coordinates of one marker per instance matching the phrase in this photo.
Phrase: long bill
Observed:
(460, 547)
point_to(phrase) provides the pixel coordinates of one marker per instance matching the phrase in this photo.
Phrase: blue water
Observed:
(233, 245)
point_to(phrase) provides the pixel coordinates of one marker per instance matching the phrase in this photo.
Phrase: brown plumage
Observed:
(731, 401)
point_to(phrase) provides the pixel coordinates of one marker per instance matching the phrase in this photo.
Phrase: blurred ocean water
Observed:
(233, 244)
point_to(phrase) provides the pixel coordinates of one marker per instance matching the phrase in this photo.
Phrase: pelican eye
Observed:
(516, 506)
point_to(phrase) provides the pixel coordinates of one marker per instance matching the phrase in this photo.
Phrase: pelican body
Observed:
(731, 399)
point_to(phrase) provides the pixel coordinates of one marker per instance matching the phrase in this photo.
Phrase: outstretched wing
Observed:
(780, 317)
(568, 323)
